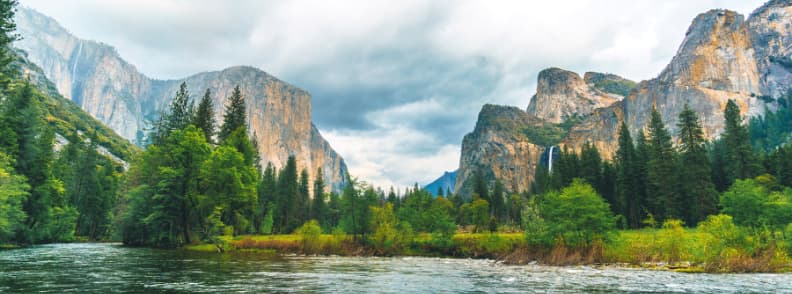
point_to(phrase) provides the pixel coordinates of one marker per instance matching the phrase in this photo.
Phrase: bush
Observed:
(309, 234)
(536, 230)
(788, 239)
(751, 204)
(723, 240)
(578, 215)
(670, 246)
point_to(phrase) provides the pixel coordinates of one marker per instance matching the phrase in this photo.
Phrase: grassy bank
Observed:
(686, 250)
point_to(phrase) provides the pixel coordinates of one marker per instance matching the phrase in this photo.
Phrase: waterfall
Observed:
(76, 60)
(550, 159)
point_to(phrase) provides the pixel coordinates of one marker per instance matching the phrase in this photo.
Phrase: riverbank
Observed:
(647, 248)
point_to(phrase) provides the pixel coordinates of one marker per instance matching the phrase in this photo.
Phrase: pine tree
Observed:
(591, 166)
(626, 179)
(318, 204)
(180, 114)
(699, 198)
(498, 207)
(662, 191)
(740, 160)
(641, 174)
(235, 116)
(566, 168)
(480, 186)
(303, 203)
(7, 36)
(34, 159)
(204, 117)
(267, 196)
(288, 192)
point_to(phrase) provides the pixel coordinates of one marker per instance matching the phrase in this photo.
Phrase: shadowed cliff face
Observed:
(94, 76)
(722, 57)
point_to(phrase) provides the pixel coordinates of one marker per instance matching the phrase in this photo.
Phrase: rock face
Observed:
(499, 149)
(94, 76)
(445, 182)
(771, 35)
(715, 63)
(562, 94)
(722, 57)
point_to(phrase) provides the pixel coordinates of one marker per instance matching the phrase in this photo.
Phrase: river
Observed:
(106, 268)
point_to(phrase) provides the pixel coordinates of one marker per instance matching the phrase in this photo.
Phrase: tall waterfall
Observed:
(76, 60)
(550, 159)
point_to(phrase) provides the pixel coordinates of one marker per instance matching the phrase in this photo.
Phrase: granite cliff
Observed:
(97, 79)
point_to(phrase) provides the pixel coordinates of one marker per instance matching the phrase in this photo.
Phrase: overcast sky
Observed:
(395, 84)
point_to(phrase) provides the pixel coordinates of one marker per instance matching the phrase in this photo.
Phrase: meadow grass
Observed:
(682, 250)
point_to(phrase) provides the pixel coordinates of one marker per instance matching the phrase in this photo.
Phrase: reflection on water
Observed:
(104, 268)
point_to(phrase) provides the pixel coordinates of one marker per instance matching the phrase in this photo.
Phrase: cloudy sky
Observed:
(395, 84)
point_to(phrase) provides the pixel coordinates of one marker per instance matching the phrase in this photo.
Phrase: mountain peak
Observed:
(562, 94)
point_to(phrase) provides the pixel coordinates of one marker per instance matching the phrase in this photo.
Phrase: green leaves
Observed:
(13, 192)
(577, 214)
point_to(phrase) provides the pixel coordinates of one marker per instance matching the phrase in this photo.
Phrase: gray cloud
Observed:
(395, 84)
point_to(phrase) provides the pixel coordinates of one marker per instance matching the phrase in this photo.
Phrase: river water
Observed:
(106, 268)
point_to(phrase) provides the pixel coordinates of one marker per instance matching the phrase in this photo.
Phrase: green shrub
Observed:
(578, 215)
(309, 234)
(724, 239)
(670, 244)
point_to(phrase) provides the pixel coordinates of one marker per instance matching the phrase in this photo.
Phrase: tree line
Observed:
(654, 178)
(48, 192)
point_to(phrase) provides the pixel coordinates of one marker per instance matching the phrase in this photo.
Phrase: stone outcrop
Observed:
(562, 94)
(771, 35)
(97, 79)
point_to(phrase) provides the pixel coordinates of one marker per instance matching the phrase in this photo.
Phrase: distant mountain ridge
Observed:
(445, 182)
(96, 78)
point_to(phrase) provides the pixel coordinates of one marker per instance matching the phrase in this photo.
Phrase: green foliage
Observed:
(479, 213)
(268, 222)
(629, 200)
(549, 134)
(287, 195)
(13, 192)
(744, 201)
(181, 185)
(230, 184)
(204, 117)
(309, 234)
(663, 199)
(235, 116)
(619, 87)
(772, 129)
(389, 235)
(738, 159)
(698, 197)
(318, 208)
(723, 238)
(577, 214)
(215, 228)
(671, 241)
(355, 208)
(536, 229)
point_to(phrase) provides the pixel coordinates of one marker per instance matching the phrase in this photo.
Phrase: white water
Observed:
(550, 159)
(110, 268)
(76, 60)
